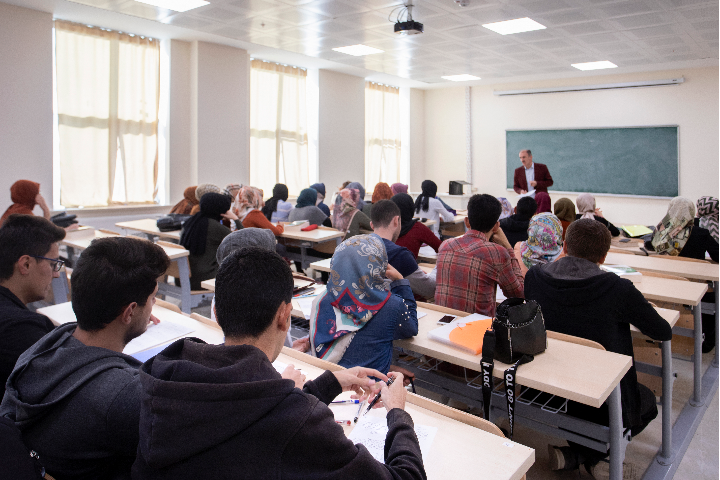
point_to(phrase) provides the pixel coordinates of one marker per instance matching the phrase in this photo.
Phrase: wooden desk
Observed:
(454, 228)
(673, 291)
(324, 266)
(427, 255)
(148, 226)
(305, 240)
(633, 246)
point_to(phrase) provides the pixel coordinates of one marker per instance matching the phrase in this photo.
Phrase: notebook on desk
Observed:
(465, 333)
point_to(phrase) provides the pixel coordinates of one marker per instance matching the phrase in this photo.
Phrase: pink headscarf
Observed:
(398, 188)
(345, 208)
(543, 202)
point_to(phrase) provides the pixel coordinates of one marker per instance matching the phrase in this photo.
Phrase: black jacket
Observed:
(19, 330)
(579, 299)
(515, 228)
(613, 229)
(215, 411)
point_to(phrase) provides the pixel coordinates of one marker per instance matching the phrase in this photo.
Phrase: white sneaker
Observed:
(601, 471)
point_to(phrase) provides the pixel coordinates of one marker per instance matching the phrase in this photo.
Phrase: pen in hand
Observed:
(375, 400)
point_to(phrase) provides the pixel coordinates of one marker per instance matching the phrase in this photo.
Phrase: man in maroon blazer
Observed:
(534, 174)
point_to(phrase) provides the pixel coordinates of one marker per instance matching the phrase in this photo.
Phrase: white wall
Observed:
(692, 105)
(25, 100)
(181, 175)
(341, 139)
(417, 138)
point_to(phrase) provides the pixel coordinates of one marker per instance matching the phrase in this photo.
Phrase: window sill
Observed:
(115, 210)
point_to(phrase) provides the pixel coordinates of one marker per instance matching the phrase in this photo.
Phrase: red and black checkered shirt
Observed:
(469, 268)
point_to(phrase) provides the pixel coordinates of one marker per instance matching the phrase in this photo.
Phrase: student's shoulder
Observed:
(21, 318)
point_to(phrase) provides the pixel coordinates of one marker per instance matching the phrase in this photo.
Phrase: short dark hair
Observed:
(587, 238)
(25, 235)
(383, 212)
(527, 206)
(483, 212)
(111, 274)
(251, 285)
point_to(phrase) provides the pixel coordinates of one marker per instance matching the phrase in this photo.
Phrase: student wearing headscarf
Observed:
(678, 234)
(543, 202)
(232, 189)
(507, 208)
(305, 209)
(346, 216)
(248, 203)
(366, 305)
(202, 234)
(361, 190)
(707, 212)
(201, 190)
(587, 209)
(184, 206)
(413, 234)
(277, 208)
(25, 194)
(320, 189)
(544, 243)
(516, 225)
(398, 188)
(565, 211)
(427, 206)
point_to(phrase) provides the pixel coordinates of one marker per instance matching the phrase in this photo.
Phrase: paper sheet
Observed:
(421, 314)
(305, 304)
(155, 335)
(280, 367)
(347, 411)
(427, 251)
(531, 193)
(371, 432)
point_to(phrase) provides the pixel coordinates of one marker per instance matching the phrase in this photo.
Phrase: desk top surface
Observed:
(669, 290)
(572, 371)
(687, 269)
(148, 225)
(324, 266)
(320, 234)
(83, 243)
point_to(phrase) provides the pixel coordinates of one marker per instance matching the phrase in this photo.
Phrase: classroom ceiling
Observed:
(629, 33)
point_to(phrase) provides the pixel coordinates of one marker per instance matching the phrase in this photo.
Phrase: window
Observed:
(107, 94)
(278, 127)
(383, 162)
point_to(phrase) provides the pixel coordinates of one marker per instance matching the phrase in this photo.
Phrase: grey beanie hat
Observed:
(247, 237)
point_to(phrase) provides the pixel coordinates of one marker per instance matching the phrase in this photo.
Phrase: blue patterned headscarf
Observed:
(356, 290)
(544, 243)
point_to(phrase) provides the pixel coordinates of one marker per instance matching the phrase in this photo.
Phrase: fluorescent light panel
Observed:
(358, 50)
(176, 5)
(594, 65)
(518, 25)
(461, 78)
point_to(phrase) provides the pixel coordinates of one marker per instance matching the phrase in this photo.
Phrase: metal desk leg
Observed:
(303, 258)
(60, 288)
(617, 444)
(184, 269)
(717, 323)
(665, 457)
(696, 399)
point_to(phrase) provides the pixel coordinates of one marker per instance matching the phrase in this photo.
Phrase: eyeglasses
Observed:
(58, 263)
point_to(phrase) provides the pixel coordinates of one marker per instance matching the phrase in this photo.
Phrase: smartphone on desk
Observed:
(446, 319)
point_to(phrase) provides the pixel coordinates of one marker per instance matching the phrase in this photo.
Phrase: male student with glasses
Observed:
(29, 251)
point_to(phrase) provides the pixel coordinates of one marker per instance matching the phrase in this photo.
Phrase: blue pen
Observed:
(344, 401)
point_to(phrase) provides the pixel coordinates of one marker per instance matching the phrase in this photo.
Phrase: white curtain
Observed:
(278, 127)
(108, 88)
(382, 135)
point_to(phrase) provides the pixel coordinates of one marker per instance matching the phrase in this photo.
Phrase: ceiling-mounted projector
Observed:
(409, 26)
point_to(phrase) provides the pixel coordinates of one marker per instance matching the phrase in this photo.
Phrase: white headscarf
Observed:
(586, 205)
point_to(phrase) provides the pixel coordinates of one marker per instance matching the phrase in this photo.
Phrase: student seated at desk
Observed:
(29, 260)
(381, 191)
(586, 209)
(305, 209)
(544, 243)
(470, 267)
(277, 208)
(427, 206)
(564, 209)
(386, 223)
(247, 207)
(543, 202)
(507, 208)
(74, 395)
(361, 191)
(516, 226)
(185, 206)
(346, 216)
(578, 298)
(396, 188)
(320, 189)
(200, 192)
(25, 194)
(413, 234)
(239, 417)
(202, 234)
(357, 318)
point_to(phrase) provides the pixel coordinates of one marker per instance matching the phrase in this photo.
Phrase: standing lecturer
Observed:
(534, 175)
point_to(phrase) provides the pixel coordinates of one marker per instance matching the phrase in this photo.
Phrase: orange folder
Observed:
(470, 335)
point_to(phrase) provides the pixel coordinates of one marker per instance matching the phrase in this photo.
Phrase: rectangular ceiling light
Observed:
(461, 78)
(594, 65)
(518, 25)
(358, 50)
(176, 5)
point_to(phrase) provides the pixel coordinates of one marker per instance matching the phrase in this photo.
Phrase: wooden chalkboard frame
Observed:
(509, 178)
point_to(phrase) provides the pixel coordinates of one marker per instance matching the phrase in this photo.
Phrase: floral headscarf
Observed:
(507, 208)
(248, 199)
(356, 290)
(707, 210)
(673, 231)
(544, 243)
(345, 208)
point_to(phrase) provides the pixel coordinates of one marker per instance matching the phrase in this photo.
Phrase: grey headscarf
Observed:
(247, 237)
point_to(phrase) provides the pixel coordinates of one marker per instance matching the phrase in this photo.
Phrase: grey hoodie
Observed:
(78, 407)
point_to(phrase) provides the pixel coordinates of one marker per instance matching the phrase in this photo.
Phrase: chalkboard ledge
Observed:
(556, 192)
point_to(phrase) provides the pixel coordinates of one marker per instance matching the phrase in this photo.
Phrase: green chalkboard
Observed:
(624, 161)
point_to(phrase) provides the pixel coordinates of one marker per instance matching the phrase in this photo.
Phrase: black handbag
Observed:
(63, 219)
(171, 222)
(518, 333)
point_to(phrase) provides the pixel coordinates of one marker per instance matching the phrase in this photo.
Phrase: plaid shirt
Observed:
(469, 268)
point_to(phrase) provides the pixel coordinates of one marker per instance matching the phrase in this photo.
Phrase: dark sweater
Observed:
(19, 330)
(577, 298)
(515, 228)
(77, 406)
(613, 229)
(699, 242)
(418, 235)
(205, 266)
(215, 411)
